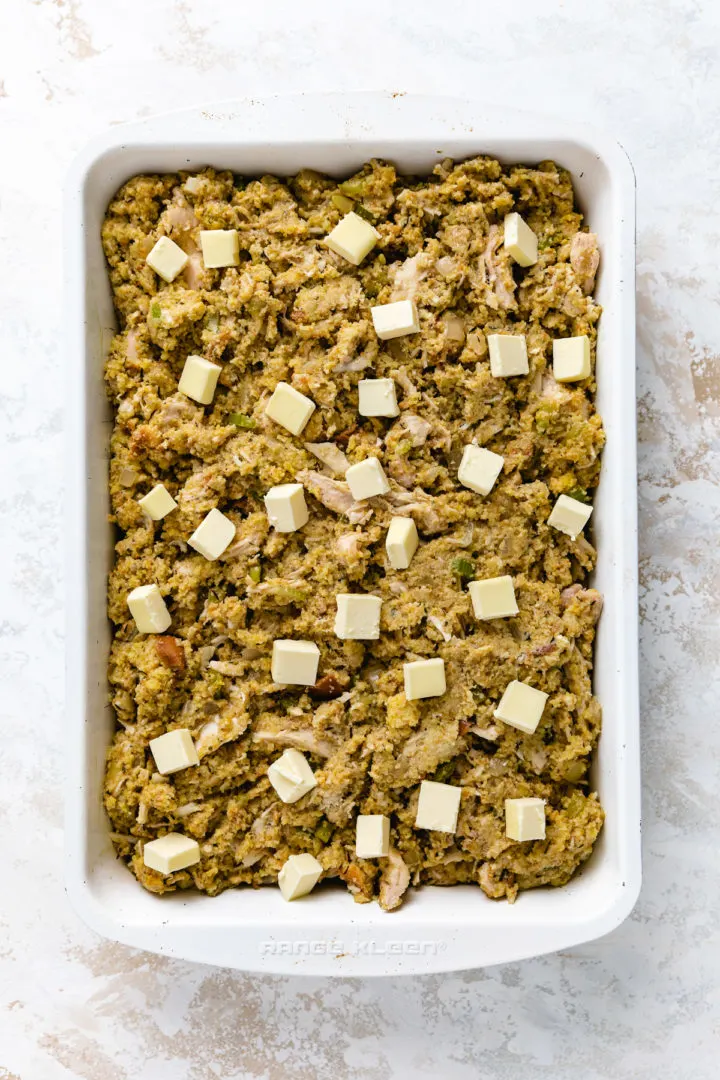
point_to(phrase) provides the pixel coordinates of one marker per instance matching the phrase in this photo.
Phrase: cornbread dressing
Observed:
(294, 311)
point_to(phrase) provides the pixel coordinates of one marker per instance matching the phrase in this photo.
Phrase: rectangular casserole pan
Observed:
(438, 929)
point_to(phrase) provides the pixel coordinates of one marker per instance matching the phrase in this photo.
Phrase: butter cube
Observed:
(148, 609)
(438, 806)
(171, 852)
(291, 776)
(570, 515)
(508, 355)
(299, 876)
(525, 819)
(289, 408)
(199, 379)
(353, 238)
(395, 320)
(366, 479)
(286, 507)
(358, 617)
(520, 240)
(372, 836)
(401, 542)
(521, 706)
(212, 535)
(158, 503)
(219, 247)
(174, 751)
(377, 397)
(479, 469)
(295, 663)
(167, 259)
(493, 598)
(424, 678)
(571, 358)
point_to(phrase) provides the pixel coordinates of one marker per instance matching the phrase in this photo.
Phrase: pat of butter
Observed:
(291, 776)
(199, 379)
(401, 542)
(299, 876)
(353, 238)
(171, 852)
(571, 358)
(395, 320)
(438, 806)
(508, 355)
(174, 751)
(521, 706)
(167, 259)
(493, 598)
(366, 479)
(358, 617)
(295, 663)
(377, 397)
(424, 678)
(286, 507)
(525, 819)
(520, 240)
(158, 503)
(289, 408)
(570, 516)
(213, 535)
(219, 247)
(479, 469)
(372, 836)
(148, 609)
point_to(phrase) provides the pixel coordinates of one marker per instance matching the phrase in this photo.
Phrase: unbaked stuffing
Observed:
(339, 437)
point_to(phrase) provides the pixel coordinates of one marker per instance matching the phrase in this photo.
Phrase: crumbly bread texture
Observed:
(294, 311)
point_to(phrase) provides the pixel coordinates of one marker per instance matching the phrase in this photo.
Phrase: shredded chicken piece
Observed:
(553, 390)
(335, 495)
(406, 382)
(447, 265)
(454, 328)
(194, 271)
(246, 545)
(440, 627)
(416, 504)
(127, 477)
(252, 858)
(131, 346)
(538, 759)
(409, 275)
(331, 456)
(585, 259)
(394, 881)
(175, 408)
(224, 667)
(180, 218)
(205, 654)
(353, 363)
(417, 428)
(264, 821)
(591, 598)
(300, 740)
(496, 278)
(218, 731)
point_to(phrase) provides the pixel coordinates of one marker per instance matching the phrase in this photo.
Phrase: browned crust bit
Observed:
(170, 652)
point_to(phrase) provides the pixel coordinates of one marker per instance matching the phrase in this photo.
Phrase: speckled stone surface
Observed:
(642, 1003)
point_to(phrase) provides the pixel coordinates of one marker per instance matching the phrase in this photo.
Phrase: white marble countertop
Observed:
(643, 1002)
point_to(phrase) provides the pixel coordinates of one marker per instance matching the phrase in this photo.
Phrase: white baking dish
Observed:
(437, 929)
